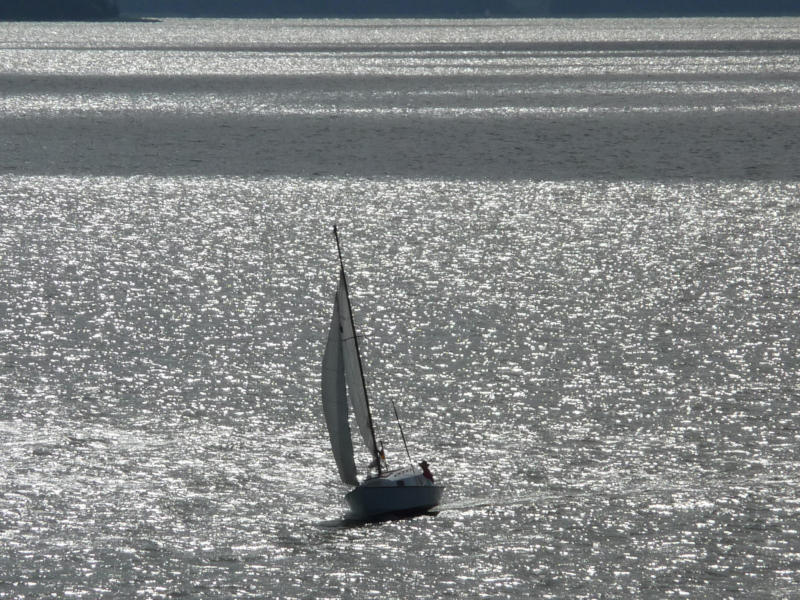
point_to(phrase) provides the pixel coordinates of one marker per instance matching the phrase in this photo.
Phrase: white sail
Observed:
(352, 368)
(334, 399)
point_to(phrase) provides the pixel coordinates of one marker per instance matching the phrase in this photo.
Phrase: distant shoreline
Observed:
(120, 19)
(153, 10)
(156, 17)
(159, 17)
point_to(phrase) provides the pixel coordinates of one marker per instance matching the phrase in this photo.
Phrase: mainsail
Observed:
(334, 400)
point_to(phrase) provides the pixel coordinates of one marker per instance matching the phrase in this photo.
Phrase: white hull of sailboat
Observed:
(380, 501)
(400, 492)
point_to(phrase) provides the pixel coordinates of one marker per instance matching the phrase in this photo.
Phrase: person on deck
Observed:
(383, 464)
(426, 473)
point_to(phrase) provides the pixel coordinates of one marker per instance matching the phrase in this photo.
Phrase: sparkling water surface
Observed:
(573, 254)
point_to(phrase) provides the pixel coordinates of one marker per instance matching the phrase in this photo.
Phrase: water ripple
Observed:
(605, 376)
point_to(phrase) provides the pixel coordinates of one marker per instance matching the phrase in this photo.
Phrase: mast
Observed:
(358, 351)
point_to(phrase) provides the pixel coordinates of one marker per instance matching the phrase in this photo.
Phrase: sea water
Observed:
(573, 255)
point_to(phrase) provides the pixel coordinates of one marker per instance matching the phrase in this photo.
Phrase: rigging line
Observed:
(402, 435)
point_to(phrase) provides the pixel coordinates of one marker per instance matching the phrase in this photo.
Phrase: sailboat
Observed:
(383, 492)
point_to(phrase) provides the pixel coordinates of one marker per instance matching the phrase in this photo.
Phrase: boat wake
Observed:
(652, 492)
(544, 498)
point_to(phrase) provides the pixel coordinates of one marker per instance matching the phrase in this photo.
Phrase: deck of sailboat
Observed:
(392, 477)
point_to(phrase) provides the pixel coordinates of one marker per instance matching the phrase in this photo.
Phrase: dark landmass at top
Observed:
(111, 9)
(457, 8)
(322, 8)
(58, 10)
(643, 8)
